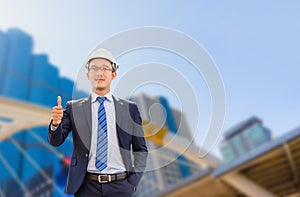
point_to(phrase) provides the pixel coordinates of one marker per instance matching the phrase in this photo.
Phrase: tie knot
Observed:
(101, 99)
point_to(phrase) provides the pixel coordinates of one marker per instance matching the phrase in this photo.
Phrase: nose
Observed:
(99, 72)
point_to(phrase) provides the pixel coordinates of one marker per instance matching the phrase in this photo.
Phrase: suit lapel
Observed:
(123, 118)
(119, 110)
(83, 120)
(122, 125)
(87, 111)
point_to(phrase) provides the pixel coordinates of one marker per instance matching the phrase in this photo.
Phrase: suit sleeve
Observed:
(139, 148)
(57, 137)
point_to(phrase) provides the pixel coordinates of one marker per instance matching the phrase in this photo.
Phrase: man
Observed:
(106, 130)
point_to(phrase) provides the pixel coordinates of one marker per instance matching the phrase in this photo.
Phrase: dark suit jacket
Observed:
(78, 119)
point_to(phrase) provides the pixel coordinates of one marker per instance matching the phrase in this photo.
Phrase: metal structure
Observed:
(20, 115)
(273, 167)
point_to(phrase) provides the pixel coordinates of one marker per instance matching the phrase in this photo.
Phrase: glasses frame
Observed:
(95, 69)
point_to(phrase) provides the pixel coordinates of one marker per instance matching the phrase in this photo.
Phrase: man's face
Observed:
(100, 75)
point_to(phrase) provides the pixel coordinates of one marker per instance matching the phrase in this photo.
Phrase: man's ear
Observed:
(114, 74)
(87, 75)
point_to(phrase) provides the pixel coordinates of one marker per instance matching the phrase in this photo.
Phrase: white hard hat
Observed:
(105, 54)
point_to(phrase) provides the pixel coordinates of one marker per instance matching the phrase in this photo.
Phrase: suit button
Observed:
(86, 155)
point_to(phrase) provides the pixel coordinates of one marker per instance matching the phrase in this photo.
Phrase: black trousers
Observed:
(120, 188)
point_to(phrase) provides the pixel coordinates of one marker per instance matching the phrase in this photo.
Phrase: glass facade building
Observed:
(165, 168)
(29, 166)
(243, 138)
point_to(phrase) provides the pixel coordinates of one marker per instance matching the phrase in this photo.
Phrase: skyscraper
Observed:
(165, 167)
(28, 165)
(243, 138)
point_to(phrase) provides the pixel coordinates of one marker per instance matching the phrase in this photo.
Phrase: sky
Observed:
(254, 44)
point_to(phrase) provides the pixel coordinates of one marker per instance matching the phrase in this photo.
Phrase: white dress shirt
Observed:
(114, 159)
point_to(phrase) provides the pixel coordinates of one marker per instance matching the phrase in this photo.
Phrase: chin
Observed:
(100, 88)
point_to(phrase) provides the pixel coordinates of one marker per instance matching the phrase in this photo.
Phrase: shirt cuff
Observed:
(53, 128)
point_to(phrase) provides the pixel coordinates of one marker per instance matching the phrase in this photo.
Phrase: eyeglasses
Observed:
(102, 69)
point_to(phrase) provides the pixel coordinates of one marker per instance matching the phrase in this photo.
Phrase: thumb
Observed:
(59, 101)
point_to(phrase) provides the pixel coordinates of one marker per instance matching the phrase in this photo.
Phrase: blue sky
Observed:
(255, 44)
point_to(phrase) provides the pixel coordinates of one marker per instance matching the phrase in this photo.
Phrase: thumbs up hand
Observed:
(57, 113)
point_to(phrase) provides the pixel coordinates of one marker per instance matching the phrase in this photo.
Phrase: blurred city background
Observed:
(255, 46)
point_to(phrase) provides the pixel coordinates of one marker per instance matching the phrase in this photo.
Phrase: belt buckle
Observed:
(104, 181)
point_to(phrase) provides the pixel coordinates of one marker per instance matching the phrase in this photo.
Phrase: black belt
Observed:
(105, 178)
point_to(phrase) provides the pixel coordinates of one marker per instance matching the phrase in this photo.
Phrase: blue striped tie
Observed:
(101, 153)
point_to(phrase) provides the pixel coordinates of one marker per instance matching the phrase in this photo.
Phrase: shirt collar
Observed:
(108, 97)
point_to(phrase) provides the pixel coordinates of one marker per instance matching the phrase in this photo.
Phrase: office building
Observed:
(243, 138)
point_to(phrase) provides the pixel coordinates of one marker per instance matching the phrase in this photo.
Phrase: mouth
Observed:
(99, 80)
